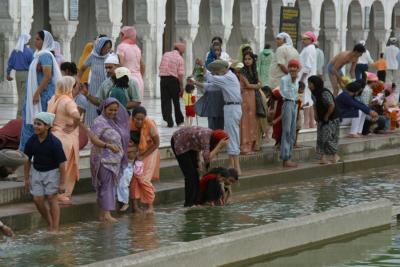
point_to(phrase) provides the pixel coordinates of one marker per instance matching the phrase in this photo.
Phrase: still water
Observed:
(86, 242)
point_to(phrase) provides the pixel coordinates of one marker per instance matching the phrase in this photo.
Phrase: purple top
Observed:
(193, 138)
(20, 60)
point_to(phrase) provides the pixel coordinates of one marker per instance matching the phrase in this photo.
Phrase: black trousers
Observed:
(170, 90)
(188, 162)
(381, 75)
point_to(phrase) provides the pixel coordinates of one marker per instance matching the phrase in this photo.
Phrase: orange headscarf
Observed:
(85, 54)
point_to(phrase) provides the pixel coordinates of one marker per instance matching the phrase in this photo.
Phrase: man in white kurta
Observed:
(308, 61)
(391, 52)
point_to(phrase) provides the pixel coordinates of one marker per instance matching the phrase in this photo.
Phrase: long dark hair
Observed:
(69, 68)
(41, 35)
(318, 84)
(250, 72)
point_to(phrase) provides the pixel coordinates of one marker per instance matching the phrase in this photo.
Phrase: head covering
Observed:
(121, 72)
(237, 65)
(32, 82)
(241, 48)
(98, 45)
(286, 37)
(362, 42)
(181, 47)
(46, 117)
(378, 88)
(277, 93)
(12, 158)
(218, 65)
(22, 41)
(353, 87)
(311, 35)
(218, 135)
(294, 63)
(371, 77)
(112, 59)
(129, 33)
(65, 85)
(85, 54)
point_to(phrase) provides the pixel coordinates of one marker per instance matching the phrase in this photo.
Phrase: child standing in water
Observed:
(125, 180)
(189, 100)
(46, 179)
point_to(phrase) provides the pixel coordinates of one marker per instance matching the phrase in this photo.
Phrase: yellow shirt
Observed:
(187, 99)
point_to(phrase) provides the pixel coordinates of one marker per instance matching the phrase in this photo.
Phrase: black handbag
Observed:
(260, 111)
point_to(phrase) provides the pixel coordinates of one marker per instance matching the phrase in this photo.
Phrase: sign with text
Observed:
(289, 22)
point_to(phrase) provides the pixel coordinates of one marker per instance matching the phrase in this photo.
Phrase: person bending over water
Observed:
(338, 62)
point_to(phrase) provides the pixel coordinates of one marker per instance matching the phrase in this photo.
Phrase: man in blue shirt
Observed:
(19, 60)
(46, 154)
(289, 91)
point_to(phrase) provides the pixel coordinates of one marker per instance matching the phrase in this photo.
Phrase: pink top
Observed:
(172, 64)
(132, 56)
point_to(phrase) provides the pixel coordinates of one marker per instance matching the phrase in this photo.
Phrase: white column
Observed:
(187, 33)
(109, 17)
(332, 36)
(146, 33)
(64, 31)
(381, 36)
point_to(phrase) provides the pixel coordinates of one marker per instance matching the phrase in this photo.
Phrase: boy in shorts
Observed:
(46, 179)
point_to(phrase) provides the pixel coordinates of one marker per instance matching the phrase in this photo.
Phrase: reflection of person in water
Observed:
(10, 160)
(144, 232)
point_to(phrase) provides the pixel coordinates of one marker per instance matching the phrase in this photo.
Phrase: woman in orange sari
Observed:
(141, 188)
(66, 129)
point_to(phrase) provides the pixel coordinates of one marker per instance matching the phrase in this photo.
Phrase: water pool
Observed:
(87, 242)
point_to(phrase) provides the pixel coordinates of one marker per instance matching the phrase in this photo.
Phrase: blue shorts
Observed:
(330, 70)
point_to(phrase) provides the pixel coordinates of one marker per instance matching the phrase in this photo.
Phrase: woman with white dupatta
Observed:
(40, 87)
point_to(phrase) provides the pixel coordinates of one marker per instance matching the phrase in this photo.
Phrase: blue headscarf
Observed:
(98, 45)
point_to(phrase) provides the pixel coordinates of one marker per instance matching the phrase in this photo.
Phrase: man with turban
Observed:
(308, 62)
(46, 179)
(284, 53)
(172, 71)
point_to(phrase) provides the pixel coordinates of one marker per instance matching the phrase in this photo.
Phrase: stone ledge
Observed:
(264, 240)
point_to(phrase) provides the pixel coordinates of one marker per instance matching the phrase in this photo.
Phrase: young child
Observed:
(299, 119)
(125, 180)
(47, 176)
(381, 66)
(189, 100)
(215, 186)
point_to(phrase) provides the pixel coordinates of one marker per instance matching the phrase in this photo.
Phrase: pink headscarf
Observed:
(129, 33)
(181, 47)
(311, 35)
(372, 77)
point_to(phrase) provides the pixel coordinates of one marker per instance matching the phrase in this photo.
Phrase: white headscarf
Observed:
(286, 38)
(32, 84)
(362, 42)
(22, 41)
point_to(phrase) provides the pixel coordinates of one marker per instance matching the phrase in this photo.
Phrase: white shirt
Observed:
(365, 58)
(308, 61)
(391, 52)
(224, 56)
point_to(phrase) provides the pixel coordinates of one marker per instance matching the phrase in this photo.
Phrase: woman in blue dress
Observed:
(95, 61)
(40, 87)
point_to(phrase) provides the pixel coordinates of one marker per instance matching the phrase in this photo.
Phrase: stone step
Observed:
(13, 191)
(23, 216)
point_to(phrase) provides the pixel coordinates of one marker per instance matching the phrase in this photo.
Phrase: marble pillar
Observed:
(64, 31)
(187, 34)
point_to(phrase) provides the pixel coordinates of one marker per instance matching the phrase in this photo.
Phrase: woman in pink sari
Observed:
(65, 128)
(130, 55)
(141, 188)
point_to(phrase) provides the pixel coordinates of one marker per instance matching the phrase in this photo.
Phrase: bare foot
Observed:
(110, 219)
(149, 210)
(335, 159)
(63, 200)
(289, 164)
(124, 207)
(354, 136)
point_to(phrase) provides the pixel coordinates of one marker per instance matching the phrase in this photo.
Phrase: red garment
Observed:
(277, 128)
(205, 179)
(190, 112)
(10, 134)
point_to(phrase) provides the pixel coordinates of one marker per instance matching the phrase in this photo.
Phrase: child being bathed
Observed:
(215, 186)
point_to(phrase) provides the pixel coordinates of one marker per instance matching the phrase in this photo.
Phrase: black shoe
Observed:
(170, 125)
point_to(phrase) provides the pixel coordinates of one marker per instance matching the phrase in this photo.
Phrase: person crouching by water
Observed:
(108, 158)
(186, 143)
(47, 177)
(141, 188)
(215, 186)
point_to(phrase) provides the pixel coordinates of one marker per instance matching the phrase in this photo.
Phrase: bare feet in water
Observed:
(289, 164)
(124, 207)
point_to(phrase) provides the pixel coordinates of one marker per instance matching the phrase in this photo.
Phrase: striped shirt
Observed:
(172, 64)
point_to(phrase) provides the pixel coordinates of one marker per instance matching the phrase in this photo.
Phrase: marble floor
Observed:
(153, 106)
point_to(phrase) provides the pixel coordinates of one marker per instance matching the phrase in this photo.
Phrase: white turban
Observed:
(112, 59)
(22, 41)
(286, 38)
(362, 42)
(46, 117)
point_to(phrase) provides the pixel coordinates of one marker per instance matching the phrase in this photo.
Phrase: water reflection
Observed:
(86, 242)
